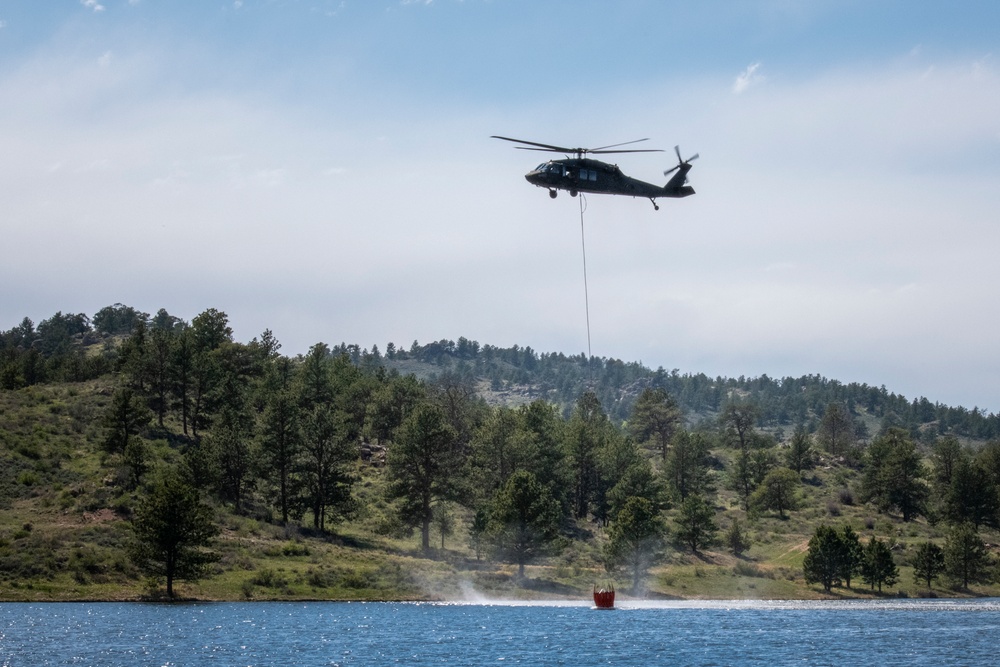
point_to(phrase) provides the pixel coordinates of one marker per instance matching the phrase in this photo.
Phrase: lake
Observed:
(898, 632)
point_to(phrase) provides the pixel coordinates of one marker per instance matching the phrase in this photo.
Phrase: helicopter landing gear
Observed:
(553, 194)
(572, 193)
(655, 207)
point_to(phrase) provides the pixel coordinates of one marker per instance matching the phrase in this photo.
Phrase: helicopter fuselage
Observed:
(587, 175)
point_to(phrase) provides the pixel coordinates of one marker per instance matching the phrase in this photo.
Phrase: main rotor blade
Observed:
(547, 150)
(634, 150)
(624, 143)
(545, 147)
(577, 151)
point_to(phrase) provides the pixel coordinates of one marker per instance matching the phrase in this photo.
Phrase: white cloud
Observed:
(748, 77)
(92, 5)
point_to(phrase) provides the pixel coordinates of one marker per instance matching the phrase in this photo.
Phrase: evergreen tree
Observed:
(737, 540)
(836, 430)
(800, 455)
(172, 529)
(852, 554)
(971, 496)
(585, 436)
(655, 417)
(635, 538)
(543, 431)
(499, 449)
(877, 565)
(687, 464)
(124, 419)
(391, 404)
(620, 464)
(181, 375)
(824, 561)
(328, 456)
(160, 350)
(523, 520)
(234, 454)
(424, 466)
(638, 481)
(833, 557)
(696, 523)
(946, 456)
(928, 563)
(778, 492)
(477, 530)
(738, 422)
(966, 558)
(894, 475)
(443, 520)
(281, 447)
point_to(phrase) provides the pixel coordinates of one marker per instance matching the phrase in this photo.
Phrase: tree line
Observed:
(54, 351)
(287, 439)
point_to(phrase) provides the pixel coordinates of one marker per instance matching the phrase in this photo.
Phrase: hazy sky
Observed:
(324, 169)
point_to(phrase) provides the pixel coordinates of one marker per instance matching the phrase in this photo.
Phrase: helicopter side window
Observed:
(588, 175)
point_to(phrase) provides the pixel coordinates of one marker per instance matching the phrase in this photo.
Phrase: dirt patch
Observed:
(104, 515)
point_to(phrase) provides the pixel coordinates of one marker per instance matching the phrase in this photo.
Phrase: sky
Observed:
(324, 169)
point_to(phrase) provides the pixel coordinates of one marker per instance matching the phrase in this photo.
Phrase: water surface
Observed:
(904, 632)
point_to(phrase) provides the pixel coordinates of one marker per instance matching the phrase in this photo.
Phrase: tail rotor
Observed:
(681, 162)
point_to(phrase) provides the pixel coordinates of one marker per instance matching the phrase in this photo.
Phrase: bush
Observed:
(269, 578)
(295, 549)
(28, 478)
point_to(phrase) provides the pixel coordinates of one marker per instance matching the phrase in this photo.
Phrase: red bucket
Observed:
(604, 598)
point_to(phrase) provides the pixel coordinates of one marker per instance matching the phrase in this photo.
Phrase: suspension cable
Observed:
(586, 293)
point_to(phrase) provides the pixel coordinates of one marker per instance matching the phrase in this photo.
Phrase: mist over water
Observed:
(463, 632)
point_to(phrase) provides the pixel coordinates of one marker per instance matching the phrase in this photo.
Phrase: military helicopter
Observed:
(582, 174)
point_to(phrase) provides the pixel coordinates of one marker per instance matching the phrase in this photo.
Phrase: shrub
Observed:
(269, 578)
(28, 478)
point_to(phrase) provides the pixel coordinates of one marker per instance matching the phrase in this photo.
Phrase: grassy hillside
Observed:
(64, 528)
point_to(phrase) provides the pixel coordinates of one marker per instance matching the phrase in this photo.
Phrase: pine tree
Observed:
(928, 563)
(524, 519)
(966, 559)
(424, 466)
(696, 523)
(172, 529)
(737, 541)
(654, 419)
(877, 565)
(635, 538)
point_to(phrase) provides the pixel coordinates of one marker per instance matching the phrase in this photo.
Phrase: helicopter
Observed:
(582, 174)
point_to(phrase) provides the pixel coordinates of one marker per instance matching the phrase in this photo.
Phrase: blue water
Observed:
(932, 632)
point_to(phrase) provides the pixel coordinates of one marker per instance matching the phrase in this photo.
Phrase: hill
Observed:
(68, 496)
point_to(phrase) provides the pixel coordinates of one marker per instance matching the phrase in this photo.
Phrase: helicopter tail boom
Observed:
(676, 187)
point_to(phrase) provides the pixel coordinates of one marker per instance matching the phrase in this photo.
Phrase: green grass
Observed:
(64, 534)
